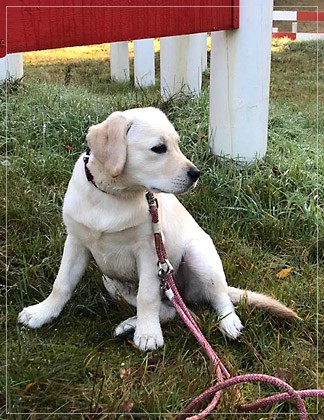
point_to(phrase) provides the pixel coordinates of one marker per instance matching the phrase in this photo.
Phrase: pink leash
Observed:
(223, 376)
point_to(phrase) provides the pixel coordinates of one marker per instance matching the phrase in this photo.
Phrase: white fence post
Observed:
(11, 67)
(294, 27)
(239, 84)
(194, 63)
(144, 64)
(119, 61)
(180, 65)
(173, 51)
(203, 51)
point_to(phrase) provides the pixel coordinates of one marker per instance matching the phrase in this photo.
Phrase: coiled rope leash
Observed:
(169, 289)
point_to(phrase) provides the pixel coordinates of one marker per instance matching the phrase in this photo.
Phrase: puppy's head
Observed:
(139, 149)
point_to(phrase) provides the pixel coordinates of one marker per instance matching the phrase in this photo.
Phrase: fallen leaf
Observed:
(282, 274)
(28, 387)
(124, 373)
(201, 135)
(283, 374)
(276, 171)
(127, 406)
(68, 148)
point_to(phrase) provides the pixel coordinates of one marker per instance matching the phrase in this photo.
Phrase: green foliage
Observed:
(263, 217)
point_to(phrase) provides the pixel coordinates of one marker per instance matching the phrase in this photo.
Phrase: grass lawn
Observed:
(263, 218)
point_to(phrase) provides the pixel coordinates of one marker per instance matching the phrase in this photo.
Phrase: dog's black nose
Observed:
(193, 174)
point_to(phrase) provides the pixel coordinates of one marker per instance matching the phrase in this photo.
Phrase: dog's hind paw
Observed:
(126, 329)
(231, 326)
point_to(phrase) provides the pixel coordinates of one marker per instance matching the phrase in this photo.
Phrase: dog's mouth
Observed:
(193, 186)
(178, 190)
(159, 190)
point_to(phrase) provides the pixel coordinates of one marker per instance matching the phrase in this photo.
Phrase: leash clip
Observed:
(165, 269)
(151, 200)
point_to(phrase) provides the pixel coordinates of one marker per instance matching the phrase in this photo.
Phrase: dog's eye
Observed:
(161, 148)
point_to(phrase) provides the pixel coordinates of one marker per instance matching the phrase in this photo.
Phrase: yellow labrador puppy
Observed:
(106, 216)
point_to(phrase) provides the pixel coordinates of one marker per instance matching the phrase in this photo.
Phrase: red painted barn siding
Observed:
(33, 26)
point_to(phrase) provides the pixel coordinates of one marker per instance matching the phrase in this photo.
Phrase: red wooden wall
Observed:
(27, 25)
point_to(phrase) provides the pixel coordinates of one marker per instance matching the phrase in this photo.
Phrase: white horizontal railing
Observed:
(284, 15)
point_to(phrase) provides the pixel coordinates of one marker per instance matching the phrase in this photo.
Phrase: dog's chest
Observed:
(115, 255)
(117, 262)
(120, 239)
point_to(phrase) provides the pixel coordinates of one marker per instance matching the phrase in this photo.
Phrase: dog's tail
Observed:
(261, 301)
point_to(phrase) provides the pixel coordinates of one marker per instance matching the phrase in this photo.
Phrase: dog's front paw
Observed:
(35, 316)
(231, 325)
(149, 340)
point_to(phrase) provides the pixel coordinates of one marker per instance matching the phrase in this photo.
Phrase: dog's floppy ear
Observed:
(107, 142)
